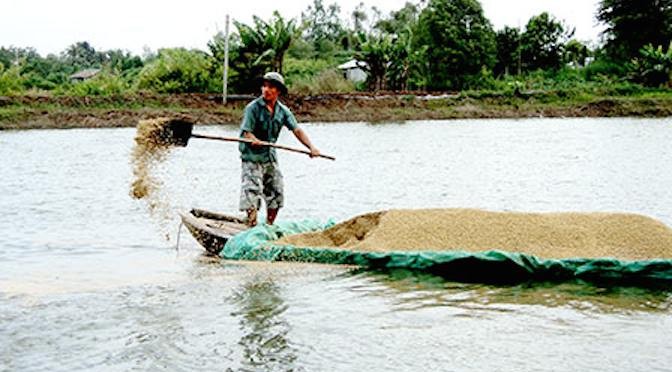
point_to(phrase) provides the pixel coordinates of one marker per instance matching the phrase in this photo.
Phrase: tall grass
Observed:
(303, 69)
(329, 81)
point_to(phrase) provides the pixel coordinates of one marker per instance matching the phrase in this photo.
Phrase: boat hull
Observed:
(212, 230)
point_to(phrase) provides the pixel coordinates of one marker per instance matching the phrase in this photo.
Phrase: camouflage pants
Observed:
(261, 180)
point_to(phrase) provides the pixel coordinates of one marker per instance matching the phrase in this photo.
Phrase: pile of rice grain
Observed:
(545, 235)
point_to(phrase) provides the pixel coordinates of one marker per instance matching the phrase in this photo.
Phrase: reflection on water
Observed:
(260, 309)
(431, 290)
(252, 316)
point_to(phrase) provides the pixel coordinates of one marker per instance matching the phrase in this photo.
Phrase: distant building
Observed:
(353, 70)
(84, 74)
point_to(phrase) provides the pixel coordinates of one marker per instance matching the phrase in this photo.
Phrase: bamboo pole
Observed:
(225, 76)
(263, 143)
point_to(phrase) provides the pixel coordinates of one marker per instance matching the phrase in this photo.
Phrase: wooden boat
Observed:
(212, 230)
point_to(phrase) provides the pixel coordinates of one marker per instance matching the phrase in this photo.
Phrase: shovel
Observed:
(178, 132)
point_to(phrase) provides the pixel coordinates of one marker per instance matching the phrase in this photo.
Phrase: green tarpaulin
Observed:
(490, 266)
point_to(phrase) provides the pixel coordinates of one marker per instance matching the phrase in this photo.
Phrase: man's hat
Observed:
(277, 80)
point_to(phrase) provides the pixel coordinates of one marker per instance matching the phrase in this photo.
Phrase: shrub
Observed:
(11, 81)
(483, 80)
(104, 83)
(303, 69)
(329, 81)
(604, 70)
(178, 71)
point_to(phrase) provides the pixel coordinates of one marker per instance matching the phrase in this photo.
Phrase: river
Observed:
(91, 280)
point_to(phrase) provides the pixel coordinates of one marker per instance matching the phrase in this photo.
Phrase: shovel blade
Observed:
(178, 132)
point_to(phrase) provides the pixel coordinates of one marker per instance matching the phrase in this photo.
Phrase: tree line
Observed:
(434, 45)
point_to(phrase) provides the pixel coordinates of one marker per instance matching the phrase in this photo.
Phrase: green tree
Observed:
(46, 73)
(121, 61)
(81, 54)
(15, 56)
(178, 71)
(256, 49)
(301, 49)
(576, 53)
(633, 24)
(508, 51)
(654, 66)
(279, 34)
(358, 18)
(322, 27)
(7, 56)
(11, 81)
(250, 58)
(364, 23)
(217, 45)
(460, 42)
(543, 42)
(403, 58)
(401, 67)
(36, 71)
(375, 52)
(400, 20)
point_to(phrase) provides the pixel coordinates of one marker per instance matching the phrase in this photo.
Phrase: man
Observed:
(263, 119)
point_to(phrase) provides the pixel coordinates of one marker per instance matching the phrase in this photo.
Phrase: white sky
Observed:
(50, 26)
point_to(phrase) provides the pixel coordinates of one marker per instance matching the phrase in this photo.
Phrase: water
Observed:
(89, 281)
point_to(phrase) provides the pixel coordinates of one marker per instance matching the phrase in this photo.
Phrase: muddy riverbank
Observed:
(41, 111)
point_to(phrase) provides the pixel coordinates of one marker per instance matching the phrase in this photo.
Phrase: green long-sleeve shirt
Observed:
(258, 121)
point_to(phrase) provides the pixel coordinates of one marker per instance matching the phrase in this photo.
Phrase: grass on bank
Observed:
(506, 99)
(542, 90)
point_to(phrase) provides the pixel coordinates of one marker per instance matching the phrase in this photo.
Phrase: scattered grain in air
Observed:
(151, 148)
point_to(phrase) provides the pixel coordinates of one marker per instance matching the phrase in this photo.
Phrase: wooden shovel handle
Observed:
(263, 143)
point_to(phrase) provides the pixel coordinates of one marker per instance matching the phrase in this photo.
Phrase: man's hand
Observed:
(303, 138)
(255, 142)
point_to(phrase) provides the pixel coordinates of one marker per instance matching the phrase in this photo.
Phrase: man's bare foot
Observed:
(271, 214)
(252, 217)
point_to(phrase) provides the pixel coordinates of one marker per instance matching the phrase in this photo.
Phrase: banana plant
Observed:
(259, 48)
(374, 57)
(278, 36)
(654, 66)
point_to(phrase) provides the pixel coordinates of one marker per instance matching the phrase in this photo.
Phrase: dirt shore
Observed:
(41, 112)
